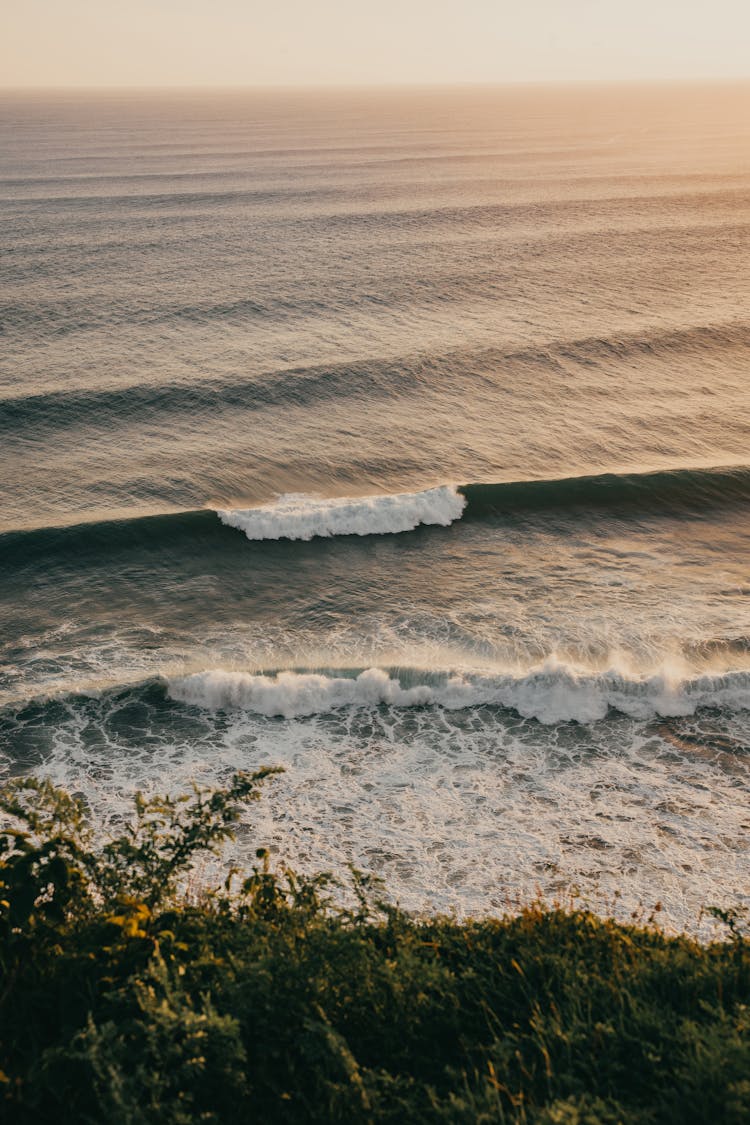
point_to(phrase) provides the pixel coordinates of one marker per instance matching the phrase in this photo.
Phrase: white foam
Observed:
(294, 694)
(299, 516)
(467, 809)
(550, 693)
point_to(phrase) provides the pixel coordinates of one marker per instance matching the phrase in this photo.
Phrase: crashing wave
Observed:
(299, 516)
(550, 693)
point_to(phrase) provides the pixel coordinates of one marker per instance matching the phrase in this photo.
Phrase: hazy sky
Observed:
(249, 42)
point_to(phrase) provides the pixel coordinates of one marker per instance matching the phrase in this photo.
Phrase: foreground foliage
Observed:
(122, 1002)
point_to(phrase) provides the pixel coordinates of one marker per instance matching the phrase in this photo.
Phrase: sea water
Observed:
(399, 438)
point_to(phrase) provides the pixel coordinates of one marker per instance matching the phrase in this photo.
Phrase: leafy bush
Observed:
(123, 1002)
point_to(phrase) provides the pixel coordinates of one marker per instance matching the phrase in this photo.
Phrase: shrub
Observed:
(122, 1002)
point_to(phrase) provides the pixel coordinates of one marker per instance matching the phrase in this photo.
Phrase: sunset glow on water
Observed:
(400, 439)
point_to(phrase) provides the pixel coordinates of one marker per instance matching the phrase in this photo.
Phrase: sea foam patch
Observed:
(299, 516)
(472, 811)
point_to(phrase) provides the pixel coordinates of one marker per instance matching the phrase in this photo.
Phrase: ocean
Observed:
(398, 438)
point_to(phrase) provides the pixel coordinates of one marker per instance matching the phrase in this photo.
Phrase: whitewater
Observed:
(297, 516)
(550, 693)
(399, 440)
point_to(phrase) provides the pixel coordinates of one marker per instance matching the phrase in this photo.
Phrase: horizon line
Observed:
(277, 87)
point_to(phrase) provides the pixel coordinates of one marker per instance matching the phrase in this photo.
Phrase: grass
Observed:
(121, 1002)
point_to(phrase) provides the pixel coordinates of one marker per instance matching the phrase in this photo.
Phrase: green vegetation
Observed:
(123, 1002)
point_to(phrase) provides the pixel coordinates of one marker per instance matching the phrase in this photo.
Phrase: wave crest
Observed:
(550, 693)
(299, 516)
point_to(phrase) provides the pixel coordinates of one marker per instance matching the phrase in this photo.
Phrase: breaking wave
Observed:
(665, 493)
(549, 693)
(298, 516)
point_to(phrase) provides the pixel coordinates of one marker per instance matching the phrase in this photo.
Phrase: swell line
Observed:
(667, 491)
(300, 386)
(299, 516)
